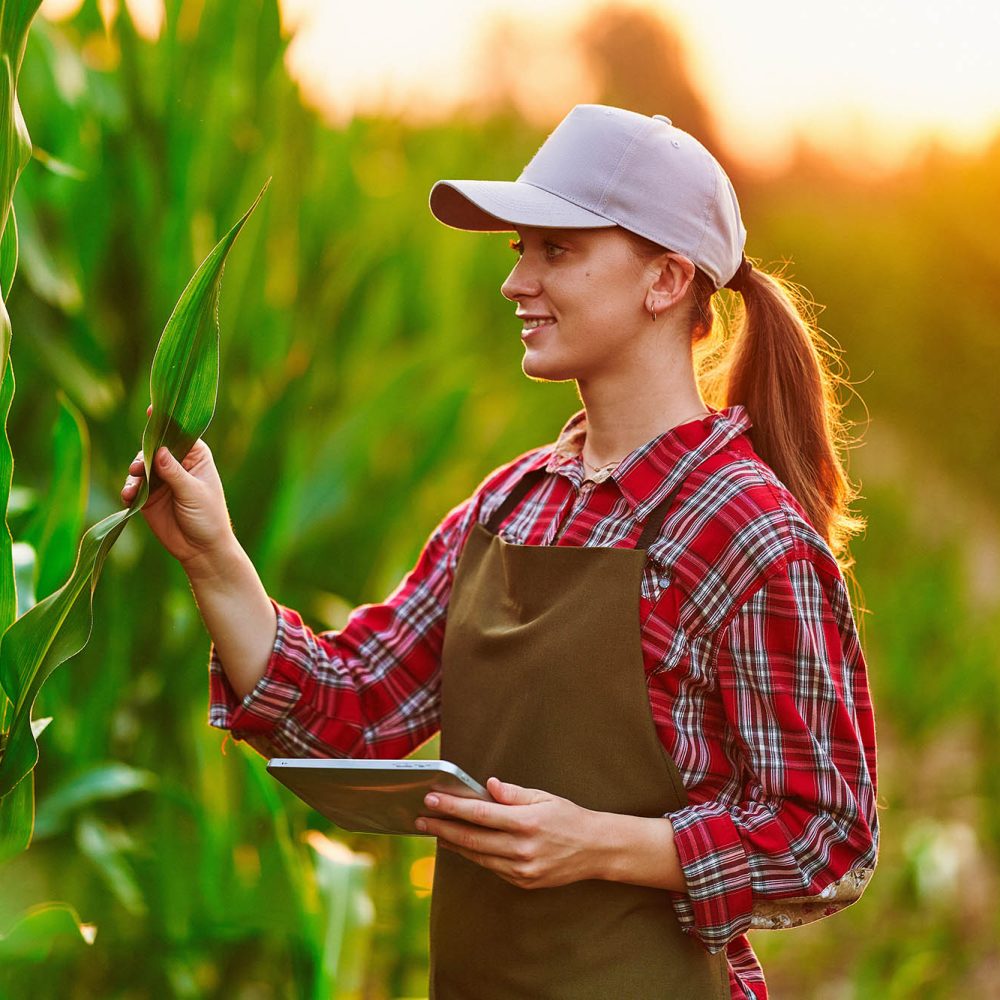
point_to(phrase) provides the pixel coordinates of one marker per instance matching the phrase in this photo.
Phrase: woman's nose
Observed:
(520, 282)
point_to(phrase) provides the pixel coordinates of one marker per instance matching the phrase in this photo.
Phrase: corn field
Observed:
(368, 378)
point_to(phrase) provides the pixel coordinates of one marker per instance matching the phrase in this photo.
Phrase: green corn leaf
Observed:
(183, 387)
(25, 565)
(8, 587)
(49, 278)
(17, 817)
(15, 143)
(15, 18)
(97, 393)
(184, 380)
(17, 810)
(15, 151)
(107, 848)
(43, 637)
(57, 166)
(57, 523)
(100, 783)
(41, 929)
(8, 254)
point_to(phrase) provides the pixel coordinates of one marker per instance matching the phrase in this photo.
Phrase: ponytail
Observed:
(778, 366)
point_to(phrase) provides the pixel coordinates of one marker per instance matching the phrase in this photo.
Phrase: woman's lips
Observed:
(530, 331)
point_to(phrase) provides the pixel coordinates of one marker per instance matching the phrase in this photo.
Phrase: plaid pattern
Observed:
(756, 677)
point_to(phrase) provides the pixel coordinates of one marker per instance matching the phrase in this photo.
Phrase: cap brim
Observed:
(500, 206)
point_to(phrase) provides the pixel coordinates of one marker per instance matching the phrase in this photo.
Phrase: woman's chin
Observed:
(546, 369)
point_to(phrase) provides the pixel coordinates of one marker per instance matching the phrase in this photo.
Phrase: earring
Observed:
(653, 314)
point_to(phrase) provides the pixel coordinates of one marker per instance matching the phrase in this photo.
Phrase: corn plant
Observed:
(80, 800)
(183, 390)
(16, 806)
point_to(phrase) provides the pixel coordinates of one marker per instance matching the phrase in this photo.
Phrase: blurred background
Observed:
(370, 379)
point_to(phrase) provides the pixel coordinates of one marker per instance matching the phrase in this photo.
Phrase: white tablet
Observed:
(373, 796)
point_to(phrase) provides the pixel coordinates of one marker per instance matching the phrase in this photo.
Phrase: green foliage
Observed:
(184, 381)
(16, 811)
(56, 526)
(102, 783)
(183, 386)
(40, 930)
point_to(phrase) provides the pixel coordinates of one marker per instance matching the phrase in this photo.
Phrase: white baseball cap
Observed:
(605, 166)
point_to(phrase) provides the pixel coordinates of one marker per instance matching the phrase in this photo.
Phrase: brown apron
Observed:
(543, 685)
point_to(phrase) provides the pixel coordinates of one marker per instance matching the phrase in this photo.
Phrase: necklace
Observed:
(600, 468)
(596, 470)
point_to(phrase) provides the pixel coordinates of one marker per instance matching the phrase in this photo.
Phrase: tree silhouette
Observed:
(639, 62)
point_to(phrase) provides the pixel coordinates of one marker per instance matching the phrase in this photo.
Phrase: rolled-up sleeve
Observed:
(370, 689)
(793, 682)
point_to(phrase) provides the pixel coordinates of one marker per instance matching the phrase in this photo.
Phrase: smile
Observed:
(533, 325)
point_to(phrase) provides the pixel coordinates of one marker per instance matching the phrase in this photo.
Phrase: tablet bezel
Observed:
(373, 796)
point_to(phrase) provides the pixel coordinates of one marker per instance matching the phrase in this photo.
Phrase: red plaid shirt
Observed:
(756, 677)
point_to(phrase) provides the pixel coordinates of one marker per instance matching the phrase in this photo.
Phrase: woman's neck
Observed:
(621, 417)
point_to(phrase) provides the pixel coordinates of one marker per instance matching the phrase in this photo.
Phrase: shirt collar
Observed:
(647, 474)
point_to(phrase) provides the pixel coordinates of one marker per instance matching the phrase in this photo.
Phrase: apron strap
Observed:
(515, 496)
(654, 522)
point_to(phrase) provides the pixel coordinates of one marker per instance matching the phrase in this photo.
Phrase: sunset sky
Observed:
(867, 80)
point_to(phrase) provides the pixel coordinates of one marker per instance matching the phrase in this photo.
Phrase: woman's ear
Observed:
(672, 277)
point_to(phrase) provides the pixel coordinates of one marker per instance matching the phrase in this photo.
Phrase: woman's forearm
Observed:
(640, 850)
(237, 612)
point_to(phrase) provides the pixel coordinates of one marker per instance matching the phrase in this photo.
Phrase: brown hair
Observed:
(777, 364)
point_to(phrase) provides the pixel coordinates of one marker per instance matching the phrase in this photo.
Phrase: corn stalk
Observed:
(16, 810)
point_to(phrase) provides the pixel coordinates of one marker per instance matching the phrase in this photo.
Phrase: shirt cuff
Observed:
(719, 900)
(283, 684)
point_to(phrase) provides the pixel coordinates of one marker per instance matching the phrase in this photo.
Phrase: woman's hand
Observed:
(529, 837)
(187, 511)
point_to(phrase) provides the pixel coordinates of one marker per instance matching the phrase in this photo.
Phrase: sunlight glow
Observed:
(422, 876)
(147, 15)
(866, 81)
(873, 78)
(56, 10)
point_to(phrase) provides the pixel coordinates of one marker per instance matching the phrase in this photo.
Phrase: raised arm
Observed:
(189, 517)
(370, 689)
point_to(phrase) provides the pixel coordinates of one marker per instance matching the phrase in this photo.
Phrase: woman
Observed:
(650, 651)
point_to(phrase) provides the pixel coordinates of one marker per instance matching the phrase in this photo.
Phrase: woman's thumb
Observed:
(169, 469)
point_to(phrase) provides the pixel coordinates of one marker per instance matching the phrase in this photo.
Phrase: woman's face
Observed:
(589, 293)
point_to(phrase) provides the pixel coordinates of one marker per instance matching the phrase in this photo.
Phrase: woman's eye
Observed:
(550, 250)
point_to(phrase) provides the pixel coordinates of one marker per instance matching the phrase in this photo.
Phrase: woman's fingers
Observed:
(175, 474)
(169, 468)
(474, 839)
(137, 472)
(130, 489)
(138, 466)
